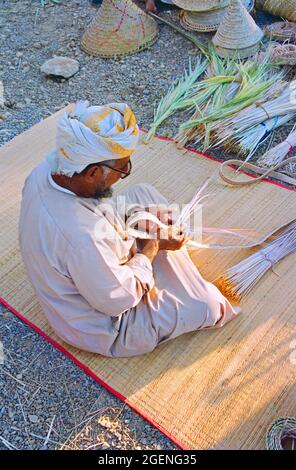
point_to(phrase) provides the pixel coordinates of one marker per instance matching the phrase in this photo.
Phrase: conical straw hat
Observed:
(238, 34)
(201, 5)
(207, 21)
(119, 28)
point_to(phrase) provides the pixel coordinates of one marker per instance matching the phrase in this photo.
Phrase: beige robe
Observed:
(95, 292)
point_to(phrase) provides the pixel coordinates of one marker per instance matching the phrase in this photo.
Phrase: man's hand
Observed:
(173, 244)
(150, 6)
(165, 215)
(150, 248)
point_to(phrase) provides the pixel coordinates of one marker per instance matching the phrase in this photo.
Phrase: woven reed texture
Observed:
(281, 31)
(211, 389)
(119, 28)
(201, 5)
(238, 34)
(207, 21)
(282, 8)
(238, 53)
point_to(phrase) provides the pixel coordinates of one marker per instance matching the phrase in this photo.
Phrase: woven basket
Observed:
(281, 31)
(283, 54)
(278, 431)
(207, 21)
(238, 35)
(282, 8)
(201, 5)
(118, 29)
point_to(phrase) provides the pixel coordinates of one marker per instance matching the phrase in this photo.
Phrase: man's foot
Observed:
(150, 6)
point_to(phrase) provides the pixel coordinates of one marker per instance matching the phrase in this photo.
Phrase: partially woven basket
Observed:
(280, 431)
(119, 28)
(283, 54)
(201, 5)
(238, 35)
(207, 21)
(282, 8)
(281, 31)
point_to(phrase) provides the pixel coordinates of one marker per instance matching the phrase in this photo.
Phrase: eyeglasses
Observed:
(123, 172)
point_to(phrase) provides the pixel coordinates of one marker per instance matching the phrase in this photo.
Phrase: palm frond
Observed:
(176, 96)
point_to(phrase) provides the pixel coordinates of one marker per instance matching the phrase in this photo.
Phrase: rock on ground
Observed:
(60, 67)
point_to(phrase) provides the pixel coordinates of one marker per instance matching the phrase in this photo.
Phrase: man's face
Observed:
(113, 175)
(100, 178)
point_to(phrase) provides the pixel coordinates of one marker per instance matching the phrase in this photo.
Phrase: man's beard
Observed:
(102, 193)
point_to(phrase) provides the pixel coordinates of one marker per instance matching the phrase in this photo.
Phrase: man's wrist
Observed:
(150, 249)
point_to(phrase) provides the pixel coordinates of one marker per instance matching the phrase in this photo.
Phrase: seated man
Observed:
(97, 292)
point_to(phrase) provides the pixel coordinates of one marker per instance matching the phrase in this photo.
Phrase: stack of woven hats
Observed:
(205, 15)
(238, 35)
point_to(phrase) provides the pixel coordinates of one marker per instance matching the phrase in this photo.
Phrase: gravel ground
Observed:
(41, 390)
(138, 79)
(46, 402)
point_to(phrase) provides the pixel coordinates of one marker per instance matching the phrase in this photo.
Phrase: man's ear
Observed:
(93, 170)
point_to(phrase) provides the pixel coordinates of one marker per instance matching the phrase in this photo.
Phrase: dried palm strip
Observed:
(167, 231)
(278, 153)
(262, 111)
(135, 221)
(240, 279)
(235, 179)
(269, 105)
(246, 143)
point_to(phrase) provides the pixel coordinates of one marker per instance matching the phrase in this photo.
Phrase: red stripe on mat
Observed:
(218, 160)
(83, 366)
(92, 374)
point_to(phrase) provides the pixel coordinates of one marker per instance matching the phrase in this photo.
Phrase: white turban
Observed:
(93, 134)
